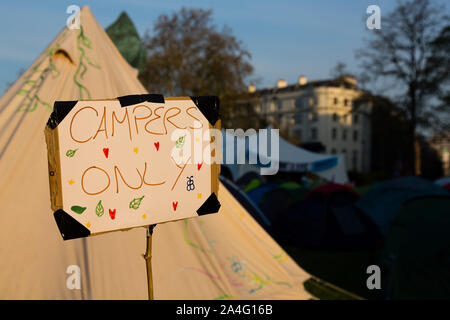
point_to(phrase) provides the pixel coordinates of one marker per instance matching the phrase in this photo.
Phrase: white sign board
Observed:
(133, 161)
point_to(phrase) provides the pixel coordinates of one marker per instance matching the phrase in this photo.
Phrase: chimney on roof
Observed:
(349, 79)
(251, 88)
(302, 80)
(281, 83)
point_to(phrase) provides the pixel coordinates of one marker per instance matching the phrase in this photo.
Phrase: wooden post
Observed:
(148, 259)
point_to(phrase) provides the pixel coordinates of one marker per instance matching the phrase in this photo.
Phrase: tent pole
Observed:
(148, 260)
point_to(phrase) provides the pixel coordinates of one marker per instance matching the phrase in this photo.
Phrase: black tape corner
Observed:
(139, 98)
(69, 227)
(209, 106)
(60, 111)
(211, 205)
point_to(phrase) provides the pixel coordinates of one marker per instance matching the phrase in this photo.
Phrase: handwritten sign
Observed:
(132, 161)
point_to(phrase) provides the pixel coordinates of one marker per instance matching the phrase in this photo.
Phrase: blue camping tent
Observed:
(384, 200)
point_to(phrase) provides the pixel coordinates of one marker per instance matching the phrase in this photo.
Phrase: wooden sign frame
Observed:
(68, 224)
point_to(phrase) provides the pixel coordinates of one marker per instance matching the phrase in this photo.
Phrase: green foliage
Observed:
(187, 55)
(126, 38)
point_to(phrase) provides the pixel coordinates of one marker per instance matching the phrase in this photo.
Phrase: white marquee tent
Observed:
(290, 158)
(222, 256)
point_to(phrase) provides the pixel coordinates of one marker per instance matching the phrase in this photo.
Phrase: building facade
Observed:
(441, 143)
(332, 112)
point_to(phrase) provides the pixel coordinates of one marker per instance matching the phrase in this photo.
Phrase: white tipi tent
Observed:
(222, 256)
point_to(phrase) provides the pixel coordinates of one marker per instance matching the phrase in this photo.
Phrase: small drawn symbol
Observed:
(199, 195)
(144, 216)
(70, 153)
(106, 152)
(199, 165)
(88, 224)
(112, 214)
(190, 183)
(78, 209)
(180, 142)
(99, 210)
(174, 205)
(135, 203)
(136, 150)
(71, 181)
(157, 145)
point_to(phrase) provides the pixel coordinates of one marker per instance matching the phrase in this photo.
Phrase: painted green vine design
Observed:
(30, 85)
(28, 89)
(82, 43)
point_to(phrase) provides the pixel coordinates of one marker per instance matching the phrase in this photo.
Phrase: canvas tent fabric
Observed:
(415, 259)
(291, 158)
(326, 219)
(444, 182)
(258, 193)
(329, 189)
(383, 200)
(274, 201)
(222, 256)
(247, 203)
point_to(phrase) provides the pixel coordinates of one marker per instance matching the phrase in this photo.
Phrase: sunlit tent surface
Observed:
(221, 256)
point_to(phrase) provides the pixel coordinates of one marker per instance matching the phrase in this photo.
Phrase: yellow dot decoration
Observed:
(136, 150)
(71, 181)
(199, 195)
(144, 216)
(88, 224)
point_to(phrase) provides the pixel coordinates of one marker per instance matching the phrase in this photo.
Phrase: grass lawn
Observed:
(343, 269)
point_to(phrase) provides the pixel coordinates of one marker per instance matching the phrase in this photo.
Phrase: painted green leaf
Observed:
(135, 203)
(70, 153)
(180, 142)
(99, 210)
(78, 209)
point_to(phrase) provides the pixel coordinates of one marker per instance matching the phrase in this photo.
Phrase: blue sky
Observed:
(286, 37)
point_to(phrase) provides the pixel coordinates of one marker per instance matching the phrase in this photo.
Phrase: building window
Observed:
(344, 151)
(333, 151)
(313, 116)
(298, 103)
(335, 100)
(298, 118)
(272, 106)
(334, 133)
(355, 135)
(345, 102)
(314, 134)
(344, 134)
(279, 105)
(335, 117)
(258, 108)
(279, 119)
(355, 159)
(298, 133)
(355, 118)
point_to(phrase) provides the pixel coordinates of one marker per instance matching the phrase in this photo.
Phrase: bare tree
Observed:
(187, 55)
(339, 70)
(401, 54)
